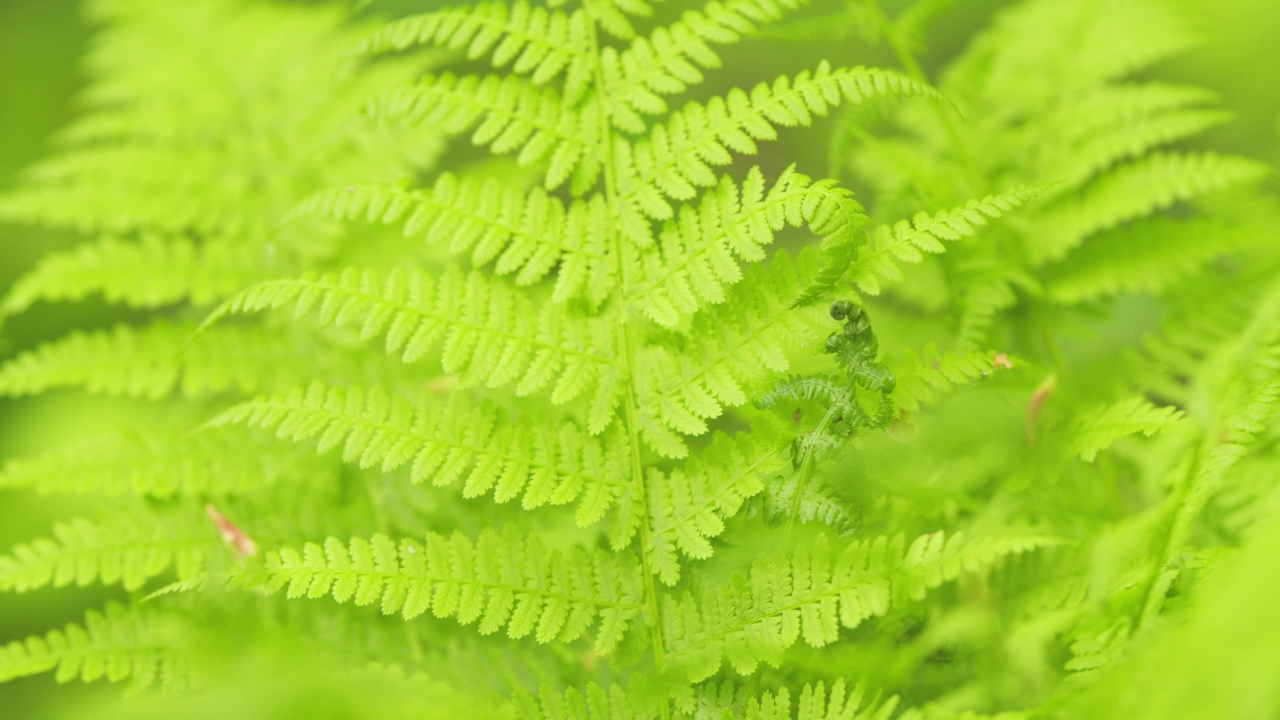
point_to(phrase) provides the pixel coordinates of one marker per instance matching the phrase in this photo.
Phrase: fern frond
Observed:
(448, 441)
(596, 703)
(730, 346)
(513, 115)
(154, 361)
(126, 549)
(1070, 47)
(153, 272)
(501, 580)
(687, 506)
(1115, 123)
(492, 334)
(700, 252)
(535, 41)
(158, 464)
(667, 62)
(676, 158)
(814, 594)
(924, 377)
(523, 233)
(116, 644)
(1140, 188)
(872, 264)
(814, 703)
(817, 504)
(1097, 428)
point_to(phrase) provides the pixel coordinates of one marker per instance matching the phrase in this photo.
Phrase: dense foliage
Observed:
(487, 362)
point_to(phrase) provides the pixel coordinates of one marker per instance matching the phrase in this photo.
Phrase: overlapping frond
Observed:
(498, 580)
(812, 595)
(447, 440)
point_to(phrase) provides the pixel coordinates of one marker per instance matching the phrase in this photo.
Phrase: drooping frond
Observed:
(444, 441)
(1097, 428)
(491, 333)
(155, 360)
(159, 464)
(500, 580)
(871, 264)
(153, 272)
(127, 549)
(116, 644)
(524, 233)
(814, 594)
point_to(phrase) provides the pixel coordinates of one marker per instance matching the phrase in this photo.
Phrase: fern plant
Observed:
(723, 393)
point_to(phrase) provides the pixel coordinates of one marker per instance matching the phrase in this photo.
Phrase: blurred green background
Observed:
(42, 41)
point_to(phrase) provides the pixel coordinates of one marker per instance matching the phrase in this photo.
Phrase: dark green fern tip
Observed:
(856, 348)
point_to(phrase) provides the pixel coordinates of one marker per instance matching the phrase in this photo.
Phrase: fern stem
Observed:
(808, 462)
(1171, 542)
(624, 351)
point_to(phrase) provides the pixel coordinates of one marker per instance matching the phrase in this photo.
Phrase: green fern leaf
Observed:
(1096, 429)
(1138, 189)
(676, 158)
(491, 333)
(513, 115)
(688, 506)
(153, 361)
(814, 594)
(448, 441)
(700, 252)
(153, 272)
(533, 40)
(525, 234)
(115, 644)
(159, 464)
(500, 580)
(869, 265)
(129, 550)
(924, 377)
